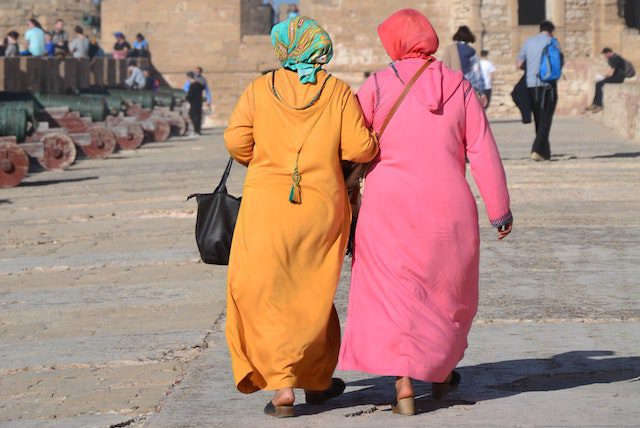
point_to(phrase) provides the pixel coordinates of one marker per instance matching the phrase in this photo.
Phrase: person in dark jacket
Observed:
(615, 75)
(194, 97)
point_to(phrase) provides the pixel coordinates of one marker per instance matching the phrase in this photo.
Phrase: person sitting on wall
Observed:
(11, 44)
(95, 51)
(60, 39)
(140, 47)
(121, 48)
(136, 79)
(35, 38)
(150, 83)
(616, 74)
(49, 46)
(79, 46)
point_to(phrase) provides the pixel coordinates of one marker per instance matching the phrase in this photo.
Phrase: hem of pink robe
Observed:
(402, 369)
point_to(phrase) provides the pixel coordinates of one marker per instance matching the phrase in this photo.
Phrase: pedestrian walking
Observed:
(203, 80)
(414, 280)
(194, 97)
(35, 38)
(543, 93)
(462, 56)
(79, 46)
(487, 68)
(292, 127)
(616, 74)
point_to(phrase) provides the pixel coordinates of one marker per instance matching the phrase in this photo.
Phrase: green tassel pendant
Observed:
(295, 196)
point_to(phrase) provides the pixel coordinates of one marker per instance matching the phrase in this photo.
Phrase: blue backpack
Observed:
(551, 62)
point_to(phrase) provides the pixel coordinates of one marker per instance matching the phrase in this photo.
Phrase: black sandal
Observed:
(440, 390)
(278, 411)
(336, 389)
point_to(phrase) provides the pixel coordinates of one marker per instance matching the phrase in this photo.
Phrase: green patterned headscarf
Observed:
(302, 45)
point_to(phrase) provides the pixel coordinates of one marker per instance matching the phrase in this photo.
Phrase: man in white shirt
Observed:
(487, 68)
(136, 79)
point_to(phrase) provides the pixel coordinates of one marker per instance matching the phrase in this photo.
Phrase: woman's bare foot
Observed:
(404, 388)
(283, 397)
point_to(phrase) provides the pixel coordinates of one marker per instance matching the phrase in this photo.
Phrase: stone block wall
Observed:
(183, 34)
(622, 109)
(14, 14)
(211, 33)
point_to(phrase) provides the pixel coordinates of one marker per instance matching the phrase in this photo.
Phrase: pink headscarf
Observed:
(408, 34)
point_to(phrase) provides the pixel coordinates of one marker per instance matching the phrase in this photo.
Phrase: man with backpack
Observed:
(619, 69)
(542, 61)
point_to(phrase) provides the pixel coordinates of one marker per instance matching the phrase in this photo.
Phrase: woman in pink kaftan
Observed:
(414, 286)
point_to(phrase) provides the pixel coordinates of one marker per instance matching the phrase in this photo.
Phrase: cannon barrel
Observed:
(14, 122)
(95, 108)
(145, 99)
(115, 104)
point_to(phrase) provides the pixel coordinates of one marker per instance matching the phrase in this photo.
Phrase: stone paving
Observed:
(108, 318)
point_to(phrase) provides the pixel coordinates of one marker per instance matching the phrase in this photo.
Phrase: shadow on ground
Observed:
(49, 182)
(492, 381)
(618, 155)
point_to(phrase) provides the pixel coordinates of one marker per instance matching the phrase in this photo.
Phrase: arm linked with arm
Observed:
(358, 143)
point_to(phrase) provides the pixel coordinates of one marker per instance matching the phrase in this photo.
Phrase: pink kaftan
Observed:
(414, 285)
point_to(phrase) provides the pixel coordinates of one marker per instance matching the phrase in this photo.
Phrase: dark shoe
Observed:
(278, 411)
(405, 406)
(440, 390)
(337, 388)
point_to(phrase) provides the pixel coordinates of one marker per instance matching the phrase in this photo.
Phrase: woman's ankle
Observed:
(404, 388)
(283, 397)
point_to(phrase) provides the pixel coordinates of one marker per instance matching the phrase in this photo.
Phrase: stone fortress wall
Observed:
(14, 13)
(219, 36)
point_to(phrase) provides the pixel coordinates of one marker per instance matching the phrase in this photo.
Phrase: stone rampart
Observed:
(622, 108)
(14, 13)
(60, 76)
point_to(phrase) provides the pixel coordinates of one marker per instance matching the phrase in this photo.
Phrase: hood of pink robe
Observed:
(408, 37)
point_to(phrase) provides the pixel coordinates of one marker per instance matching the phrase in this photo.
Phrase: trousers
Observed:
(543, 101)
(597, 99)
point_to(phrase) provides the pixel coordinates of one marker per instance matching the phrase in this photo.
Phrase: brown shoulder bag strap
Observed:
(402, 96)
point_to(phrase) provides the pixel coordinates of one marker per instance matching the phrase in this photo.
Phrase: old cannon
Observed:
(14, 162)
(52, 149)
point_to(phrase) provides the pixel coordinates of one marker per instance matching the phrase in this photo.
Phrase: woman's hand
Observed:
(504, 230)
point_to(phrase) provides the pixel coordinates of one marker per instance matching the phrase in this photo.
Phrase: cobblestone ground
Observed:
(108, 318)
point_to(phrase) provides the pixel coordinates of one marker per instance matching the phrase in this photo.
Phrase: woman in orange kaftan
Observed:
(292, 128)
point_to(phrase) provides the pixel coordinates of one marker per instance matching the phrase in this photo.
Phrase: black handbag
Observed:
(216, 221)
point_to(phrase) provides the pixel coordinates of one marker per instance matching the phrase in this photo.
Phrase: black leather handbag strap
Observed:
(222, 187)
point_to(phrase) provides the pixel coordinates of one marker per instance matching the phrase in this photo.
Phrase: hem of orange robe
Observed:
(435, 375)
(247, 386)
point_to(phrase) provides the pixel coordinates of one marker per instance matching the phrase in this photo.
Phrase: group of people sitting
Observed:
(55, 43)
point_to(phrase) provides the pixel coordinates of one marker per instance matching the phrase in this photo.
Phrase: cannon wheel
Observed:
(59, 151)
(103, 143)
(14, 164)
(161, 130)
(134, 138)
(180, 127)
